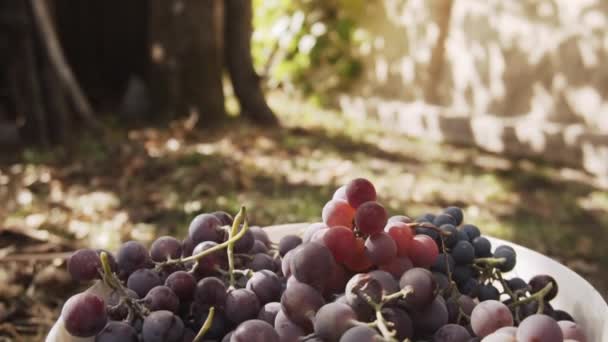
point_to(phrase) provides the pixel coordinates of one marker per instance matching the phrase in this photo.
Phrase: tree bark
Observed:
(245, 81)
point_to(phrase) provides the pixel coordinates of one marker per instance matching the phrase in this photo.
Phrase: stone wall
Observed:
(526, 78)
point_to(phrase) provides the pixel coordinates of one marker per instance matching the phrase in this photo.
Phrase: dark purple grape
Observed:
(245, 243)
(241, 305)
(262, 261)
(451, 239)
(428, 320)
(288, 331)
(187, 247)
(288, 242)
(117, 332)
(115, 311)
(531, 308)
(398, 266)
(162, 326)
(572, 331)
(131, 256)
(210, 291)
(258, 247)
(428, 232)
(164, 248)
(508, 253)
(332, 320)
(261, 235)
(442, 219)
(359, 191)
(539, 328)
(84, 264)
(363, 284)
(388, 283)
(255, 330)
(425, 218)
(482, 247)
(517, 285)
(162, 298)
(300, 303)
(360, 334)
(266, 285)
(269, 311)
(463, 253)
(469, 287)
(462, 273)
(219, 325)
(444, 263)
(489, 316)
(561, 315)
(189, 335)
(286, 263)
(471, 231)
(183, 285)
(371, 217)
(452, 333)
(208, 263)
(142, 280)
(311, 264)
(399, 218)
(402, 323)
(443, 283)
(539, 282)
(456, 213)
(363, 310)
(380, 248)
(487, 292)
(225, 218)
(423, 284)
(205, 227)
(84, 314)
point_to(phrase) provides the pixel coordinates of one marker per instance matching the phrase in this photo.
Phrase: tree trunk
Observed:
(186, 67)
(245, 81)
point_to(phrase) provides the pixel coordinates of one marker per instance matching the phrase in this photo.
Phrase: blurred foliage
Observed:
(309, 45)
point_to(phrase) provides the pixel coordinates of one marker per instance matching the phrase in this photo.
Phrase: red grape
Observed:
(341, 242)
(84, 314)
(380, 248)
(340, 193)
(423, 251)
(371, 217)
(359, 262)
(403, 236)
(397, 266)
(338, 213)
(359, 191)
(538, 328)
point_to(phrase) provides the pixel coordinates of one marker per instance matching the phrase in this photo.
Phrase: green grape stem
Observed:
(241, 216)
(206, 326)
(490, 261)
(110, 279)
(538, 296)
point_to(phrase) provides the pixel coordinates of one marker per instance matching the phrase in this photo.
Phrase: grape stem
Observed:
(109, 278)
(380, 322)
(241, 216)
(538, 296)
(211, 250)
(490, 261)
(206, 326)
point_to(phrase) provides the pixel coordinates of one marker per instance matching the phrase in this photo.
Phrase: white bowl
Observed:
(575, 295)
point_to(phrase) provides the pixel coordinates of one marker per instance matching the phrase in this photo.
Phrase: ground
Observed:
(146, 182)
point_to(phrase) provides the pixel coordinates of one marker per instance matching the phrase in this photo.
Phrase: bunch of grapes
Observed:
(357, 276)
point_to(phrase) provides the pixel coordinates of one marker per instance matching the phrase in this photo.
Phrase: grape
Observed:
(398, 218)
(241, 305)
(499, 337)
(187, 247)
(219, 324)
(467, 304)
(207, 264)
(424, 251)
(462, 273)
(225, 218)
(258, 247)
(539, 328)
(456, 213)
(84, 264)
(561, 315)
(539, 282)
(444, 263)
(363, 283)
(262, 261)
(332, 320)
(338, 213)
(510, 331)
(288, 331)
(319, 236)
(359, 191)
(359, 262)
(84, 314)
(205, 227)
(361, 334)
(397, 266)
(402, 323)
(471, 231)
(461, 236)
(182, 284)
(517, 285)
(452, 333)
(423, 285)
(341, 242)
(311, 230)
(336, 281)
(508, 253)
(142, 280)
(117, 332)
(115, 311)
(463, 253)
(425, 218)
(312, 263)
(380, 248)
(487, 292)
(451, 237)
(300, 303)
(387, 282)
(228, 336)
(188, 335)
(443, 283)
(573, 331)
(269, 311)
(288, 242)
(371, 217)
(531, 308)
(165, 247)
(131, 256)
(162, 326)
(431, 318)
(210, 291)
(286, 263)
(245, 243)
(442, 219)
(432, 233)
(482, 247)
(266, 285)
(340, 193)
(162, 298)
(261, 235)
(489, 316)
(363, 310)
(402, 234)
(255, 330)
